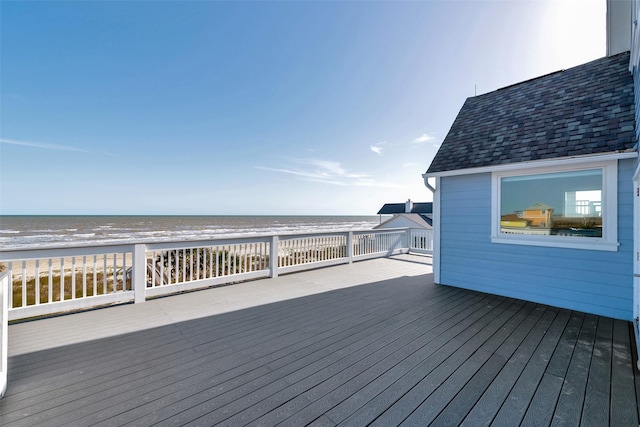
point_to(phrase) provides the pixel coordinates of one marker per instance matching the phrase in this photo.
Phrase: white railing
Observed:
(4, 330)
(179, 266)
(45, 281)
(55, 280)
(421, 241)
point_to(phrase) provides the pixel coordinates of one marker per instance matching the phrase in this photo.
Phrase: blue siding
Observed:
(636, 93)
(598, 282)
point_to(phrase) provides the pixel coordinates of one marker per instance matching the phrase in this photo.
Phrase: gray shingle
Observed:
(586, 109)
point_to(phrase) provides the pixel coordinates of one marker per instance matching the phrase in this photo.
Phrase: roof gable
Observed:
(407, 219)
(538, 206)
(587, 109)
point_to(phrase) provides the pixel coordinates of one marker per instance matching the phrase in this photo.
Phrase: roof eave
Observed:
(618, 155)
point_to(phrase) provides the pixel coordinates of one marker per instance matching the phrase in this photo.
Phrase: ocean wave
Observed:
(65, 231)
(82, 235)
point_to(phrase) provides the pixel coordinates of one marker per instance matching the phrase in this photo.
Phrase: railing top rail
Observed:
(383, 230)
(8, 255)
(33, 252)
(180, 244)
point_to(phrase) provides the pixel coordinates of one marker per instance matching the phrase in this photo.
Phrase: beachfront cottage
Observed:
(536, 190)
(407, 214)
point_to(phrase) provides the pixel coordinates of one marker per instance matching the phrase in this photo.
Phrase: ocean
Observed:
(28, 231)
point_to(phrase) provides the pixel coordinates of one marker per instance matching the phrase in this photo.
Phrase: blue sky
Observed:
(263, 108)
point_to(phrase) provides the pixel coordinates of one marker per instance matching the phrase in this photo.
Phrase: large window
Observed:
(570, 207)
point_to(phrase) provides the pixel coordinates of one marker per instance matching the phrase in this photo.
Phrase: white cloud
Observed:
(43, 145)
(423, 138)
(378, 148)
(327, 172)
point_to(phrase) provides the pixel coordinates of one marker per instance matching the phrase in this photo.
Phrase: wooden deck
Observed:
(375, 343)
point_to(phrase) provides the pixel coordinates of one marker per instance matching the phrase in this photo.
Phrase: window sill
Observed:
(559, 242)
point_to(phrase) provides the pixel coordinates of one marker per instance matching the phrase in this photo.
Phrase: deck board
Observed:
(394, 350)
(623, 403)
(570, 402)
(597, 400)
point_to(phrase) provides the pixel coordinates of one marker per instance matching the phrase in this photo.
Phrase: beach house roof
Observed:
(587, 109)
(398, 208)
(538, 206)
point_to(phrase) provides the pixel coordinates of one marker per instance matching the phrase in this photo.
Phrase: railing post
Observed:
(273, 256)
(350, 247)
(4, 330)
(409, 240)
(138, 276)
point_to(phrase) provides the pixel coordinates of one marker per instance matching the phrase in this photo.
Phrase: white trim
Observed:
(636, 257)
(636, 174)
(436, 231)
(609, 239)
(557, 242)
(556, 163)
(4, 331)
(634, 58)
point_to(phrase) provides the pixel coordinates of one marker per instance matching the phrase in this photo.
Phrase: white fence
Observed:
(4, 330)
(47, 281)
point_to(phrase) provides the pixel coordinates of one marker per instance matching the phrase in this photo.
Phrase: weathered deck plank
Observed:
(399, 350)
(571, 399)
(623, 403)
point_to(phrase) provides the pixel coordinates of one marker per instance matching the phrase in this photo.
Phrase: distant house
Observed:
(408, 214)
(538, 214)
(536, 190)
(536, 219)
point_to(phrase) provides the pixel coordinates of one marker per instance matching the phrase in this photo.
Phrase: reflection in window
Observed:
(563, 203)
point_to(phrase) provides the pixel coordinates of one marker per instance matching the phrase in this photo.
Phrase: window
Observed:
(571, 207)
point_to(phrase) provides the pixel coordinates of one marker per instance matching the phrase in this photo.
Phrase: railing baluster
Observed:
(224, 260)
(124, 272)
(114, 273)
(84, 276)
(191, 264)
(73, 277)
(24, 283)
(198, 261)
(234, 260)
(210, 252)
(245, 267)
(217, 264)
(37, 283)
(11, 289)
(50, 282)
(104, 274)
(95, 275)
(184, 270)
(61, 280)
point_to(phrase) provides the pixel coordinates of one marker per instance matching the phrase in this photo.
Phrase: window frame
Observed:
(609, 239)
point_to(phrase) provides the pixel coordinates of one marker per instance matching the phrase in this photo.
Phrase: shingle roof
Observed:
(538, 206)
(582, 110)
(397, 208)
